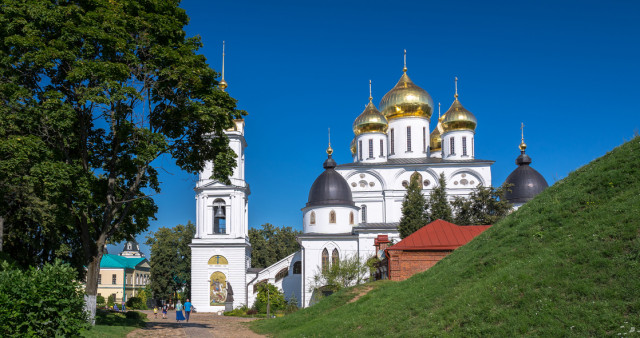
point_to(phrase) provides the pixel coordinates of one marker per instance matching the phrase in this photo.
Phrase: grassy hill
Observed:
(567, 263)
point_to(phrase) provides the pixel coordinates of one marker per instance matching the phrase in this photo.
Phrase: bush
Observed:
(135, 315)
(136, 303)
(43, 302)
(100, 301)
(111, 300)
(269, 293)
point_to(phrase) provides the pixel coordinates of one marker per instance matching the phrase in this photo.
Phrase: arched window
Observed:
(282, 274)
(370, 148)
(424, 139)
(408, 138)
(332, 217)
(464, 146)
(129, 246)
(363, 208)
(381, 148)
(312, 218)
(297, 268)
(351, 221)
(325, 260)
(392, 142)
(335, 257)
(219, 216)
(360, 150)
(452, 146)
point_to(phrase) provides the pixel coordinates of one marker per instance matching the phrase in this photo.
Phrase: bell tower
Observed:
(220, 249)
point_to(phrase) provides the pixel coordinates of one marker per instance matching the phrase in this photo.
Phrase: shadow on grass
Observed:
(114, 324)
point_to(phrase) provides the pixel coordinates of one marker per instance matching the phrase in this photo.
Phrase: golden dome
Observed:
(370, 121)
(458, 118)
(435, 139)
(353, 147)
(406, 99)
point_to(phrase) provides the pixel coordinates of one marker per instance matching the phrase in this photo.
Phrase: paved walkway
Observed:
(199, 325)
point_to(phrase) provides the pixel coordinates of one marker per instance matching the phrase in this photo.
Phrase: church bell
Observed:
(219, 213)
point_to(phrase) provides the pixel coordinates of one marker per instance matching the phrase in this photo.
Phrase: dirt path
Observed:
(199, 325)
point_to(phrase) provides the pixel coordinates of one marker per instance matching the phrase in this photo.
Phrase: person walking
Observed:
(164, 311)
(155, 312)
(179, 315)
(187, 309)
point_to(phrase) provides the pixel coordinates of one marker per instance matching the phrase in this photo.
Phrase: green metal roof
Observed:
(115, 261)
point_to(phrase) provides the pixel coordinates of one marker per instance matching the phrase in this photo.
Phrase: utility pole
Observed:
(268, 301)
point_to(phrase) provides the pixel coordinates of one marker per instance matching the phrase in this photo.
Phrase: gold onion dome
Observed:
(435, 139)
(370, 121)
(406, 100)
(353, 147)
(458, 118)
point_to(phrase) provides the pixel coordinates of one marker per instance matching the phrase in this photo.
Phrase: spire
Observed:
(370, 97)
(329, 150)
(523, 145)
(223, 83)
(439, 104)
(456, 95)
(405, 61)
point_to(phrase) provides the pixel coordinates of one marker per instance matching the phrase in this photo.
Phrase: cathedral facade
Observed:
(349, 205)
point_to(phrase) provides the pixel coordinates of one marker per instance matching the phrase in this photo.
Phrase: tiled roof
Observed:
(440, 235)
(115, 261)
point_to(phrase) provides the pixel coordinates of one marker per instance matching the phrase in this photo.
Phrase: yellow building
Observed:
(125, 274)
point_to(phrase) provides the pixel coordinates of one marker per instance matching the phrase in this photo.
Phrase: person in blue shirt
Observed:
(187, 309)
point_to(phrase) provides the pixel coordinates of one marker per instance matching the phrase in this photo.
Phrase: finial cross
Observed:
(405, 61)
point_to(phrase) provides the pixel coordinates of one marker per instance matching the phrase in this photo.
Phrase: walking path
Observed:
(199, 325)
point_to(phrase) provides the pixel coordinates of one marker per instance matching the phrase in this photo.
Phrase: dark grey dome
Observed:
(330, 188)
(131, 245)
(525, 181)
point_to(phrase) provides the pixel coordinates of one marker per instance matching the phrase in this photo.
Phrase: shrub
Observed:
(136, 303)
(271, 294)
(43, 302)
(100, 301)
(135, 315)
(111, 300)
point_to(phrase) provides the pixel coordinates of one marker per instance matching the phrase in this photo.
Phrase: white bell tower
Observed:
(220, 250)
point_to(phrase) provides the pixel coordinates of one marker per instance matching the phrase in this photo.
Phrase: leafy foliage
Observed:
(136, 303)
(438, 203)
(484, 206)
(269, 293)
(346, 272)
(170, 259)
(414, 213)
(91, 94)
(42, 302)
(271, 244)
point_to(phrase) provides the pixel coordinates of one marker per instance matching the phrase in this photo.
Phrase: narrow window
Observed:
(325, 260)
(381, 148)
(424, 139)
(370, 148)
(360, 150)
(364, 213)
(408, 139)
(472, 149)
(351, 218)
(451, 146)
(335, 257)
(312, 218)
(392, 143)
(113, 278)
(297, 268)
(332, 217)
(464, 146)
(100, 279)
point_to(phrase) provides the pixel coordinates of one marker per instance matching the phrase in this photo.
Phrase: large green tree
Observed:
(171, 260)
(270, 244)
(91, 94)
(484, 206)
(438, 204)
(414, 214)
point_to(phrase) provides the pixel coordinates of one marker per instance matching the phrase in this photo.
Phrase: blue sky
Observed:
(568, 70)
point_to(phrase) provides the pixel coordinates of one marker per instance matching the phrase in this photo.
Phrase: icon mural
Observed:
(218, 288)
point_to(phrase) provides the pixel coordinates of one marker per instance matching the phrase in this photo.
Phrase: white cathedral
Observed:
(349, 205)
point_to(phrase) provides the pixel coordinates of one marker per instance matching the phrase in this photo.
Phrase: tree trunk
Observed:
(91, 289)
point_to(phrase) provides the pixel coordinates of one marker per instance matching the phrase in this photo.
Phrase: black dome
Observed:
(525, 181)
(330, 188)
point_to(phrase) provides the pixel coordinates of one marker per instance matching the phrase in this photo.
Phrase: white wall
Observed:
(362, 145)
(419, 140)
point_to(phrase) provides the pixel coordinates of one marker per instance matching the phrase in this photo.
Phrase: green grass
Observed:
(110, 324)
(566, 263)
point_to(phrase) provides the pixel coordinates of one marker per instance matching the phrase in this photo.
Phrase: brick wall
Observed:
(404, 264)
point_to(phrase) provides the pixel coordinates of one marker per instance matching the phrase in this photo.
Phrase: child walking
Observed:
(155, 312)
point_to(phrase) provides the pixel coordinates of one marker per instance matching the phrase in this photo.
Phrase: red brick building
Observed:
(425, 247)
